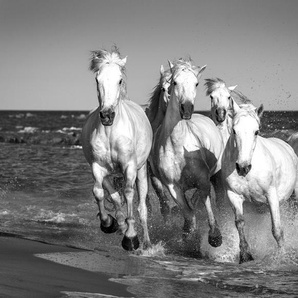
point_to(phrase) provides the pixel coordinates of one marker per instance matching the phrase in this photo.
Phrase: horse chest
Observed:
(248, 187)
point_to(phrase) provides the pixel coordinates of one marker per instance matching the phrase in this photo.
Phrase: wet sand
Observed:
(23, 274)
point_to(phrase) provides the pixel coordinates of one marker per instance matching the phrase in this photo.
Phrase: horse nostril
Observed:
(237, 167)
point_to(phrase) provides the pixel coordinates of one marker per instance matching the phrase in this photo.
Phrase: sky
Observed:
(45, 48)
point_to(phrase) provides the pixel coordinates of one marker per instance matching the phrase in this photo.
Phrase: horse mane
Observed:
(182, 64)
(240, 98)
(247, 108)
(153, 104)
(102, 57)
(213, 84)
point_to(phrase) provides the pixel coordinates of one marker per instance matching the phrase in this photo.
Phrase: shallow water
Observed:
(45, 194)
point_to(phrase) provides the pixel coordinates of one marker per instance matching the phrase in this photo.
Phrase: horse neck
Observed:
(172, 116)
(157, 120)
(225, 130)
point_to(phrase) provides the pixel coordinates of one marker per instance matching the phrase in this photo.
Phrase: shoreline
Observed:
(24, 274)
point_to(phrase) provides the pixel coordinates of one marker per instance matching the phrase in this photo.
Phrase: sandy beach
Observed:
(24, 274)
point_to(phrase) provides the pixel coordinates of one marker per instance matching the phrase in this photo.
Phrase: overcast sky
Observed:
(45, 48)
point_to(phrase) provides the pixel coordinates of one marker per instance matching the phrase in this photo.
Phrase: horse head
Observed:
(109, 75)
(183, 88)
(220, 99)
(246, 125)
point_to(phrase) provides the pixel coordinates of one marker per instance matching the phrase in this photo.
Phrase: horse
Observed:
(117, 139)
(256, 169)
(155, 112)
(186, 148)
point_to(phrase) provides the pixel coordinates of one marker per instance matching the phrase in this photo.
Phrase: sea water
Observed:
(46, 195)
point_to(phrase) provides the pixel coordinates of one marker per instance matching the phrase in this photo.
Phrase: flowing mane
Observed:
(101, 58)
(183, 64)
(240, 98)
(213, 84)
(155, 98)
(247, 109)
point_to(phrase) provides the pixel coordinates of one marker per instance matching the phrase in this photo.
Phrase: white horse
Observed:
(117, 140)
(186, 147)
(256, 169)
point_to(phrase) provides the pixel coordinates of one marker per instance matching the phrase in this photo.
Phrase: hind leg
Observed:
(142, 187)
(237, 204)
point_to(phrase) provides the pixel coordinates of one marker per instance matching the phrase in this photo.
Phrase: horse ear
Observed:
(162, 70)
(235, 107)
(260, 110)
(231, 88)
(199, 70)
(123, 61)
(171, 64)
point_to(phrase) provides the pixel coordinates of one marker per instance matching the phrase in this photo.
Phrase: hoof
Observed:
(112, 228)
(215, 239)
(130, 244)
(245, 257)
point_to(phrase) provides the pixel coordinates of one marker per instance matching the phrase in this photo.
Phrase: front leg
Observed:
(188, 213)
(142, 187)
(237, 204)
(108, 223)
(130, 241)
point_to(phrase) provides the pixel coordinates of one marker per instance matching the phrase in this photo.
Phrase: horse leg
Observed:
(277, 230)
(237, 204)
(160, 192)
(188, 212)
(116, 198)
(217, 183)
(107, 222)
(130, 240)
(163, 200)
(142, 187)
(215, 238)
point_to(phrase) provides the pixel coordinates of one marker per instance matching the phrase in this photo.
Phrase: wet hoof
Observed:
(130, 244)
(215, 239)
(112, 228)
(245, 257)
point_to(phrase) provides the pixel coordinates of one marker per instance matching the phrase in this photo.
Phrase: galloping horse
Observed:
(117, 140)
(256, 169)
(186, 147)
(155, 112)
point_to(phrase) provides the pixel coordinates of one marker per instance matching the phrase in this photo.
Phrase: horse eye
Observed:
(257, 132)
(211, 97)
(163, 89)
(234, 132)
(229, 97)
(175, 83)
(197, 84)
(120, 82)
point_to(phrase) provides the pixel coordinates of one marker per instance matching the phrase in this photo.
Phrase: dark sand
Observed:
(22, 274)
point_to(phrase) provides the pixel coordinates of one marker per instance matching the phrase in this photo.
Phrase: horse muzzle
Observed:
(242, 170)
(220, 115)
(186, 111)
(107, 117)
